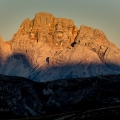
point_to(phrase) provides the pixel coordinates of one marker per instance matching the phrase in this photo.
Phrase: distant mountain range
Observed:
(48, 48)
(68, 99)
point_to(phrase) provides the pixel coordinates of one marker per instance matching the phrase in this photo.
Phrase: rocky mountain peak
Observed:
(45, 28)
(50, 48)
(95, 40)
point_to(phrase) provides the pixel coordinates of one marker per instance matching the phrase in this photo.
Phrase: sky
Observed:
(100, 14)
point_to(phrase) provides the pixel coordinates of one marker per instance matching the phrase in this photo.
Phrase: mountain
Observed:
(49, 48)
(71, 99)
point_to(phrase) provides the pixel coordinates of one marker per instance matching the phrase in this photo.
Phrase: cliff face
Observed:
(97, 41)
(45, 28)
(49, 48)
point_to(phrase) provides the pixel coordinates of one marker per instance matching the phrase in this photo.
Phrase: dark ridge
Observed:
(24, 98)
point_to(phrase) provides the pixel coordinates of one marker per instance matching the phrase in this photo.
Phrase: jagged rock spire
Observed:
(56, 32)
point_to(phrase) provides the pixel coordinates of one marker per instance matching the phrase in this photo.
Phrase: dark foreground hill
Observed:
(90, 97)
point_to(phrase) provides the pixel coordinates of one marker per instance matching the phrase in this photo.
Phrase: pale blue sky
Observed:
(101, 14)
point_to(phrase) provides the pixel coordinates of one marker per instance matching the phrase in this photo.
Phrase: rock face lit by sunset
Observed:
(50, 66)
(49, 48)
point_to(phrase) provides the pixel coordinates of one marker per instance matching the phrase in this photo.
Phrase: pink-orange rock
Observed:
(56, 49)
(96, 40)
(55, 32)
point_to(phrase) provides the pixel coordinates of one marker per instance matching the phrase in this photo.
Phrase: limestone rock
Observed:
(96, 40)
(4, 50)
(45, 28)
(50, 48)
